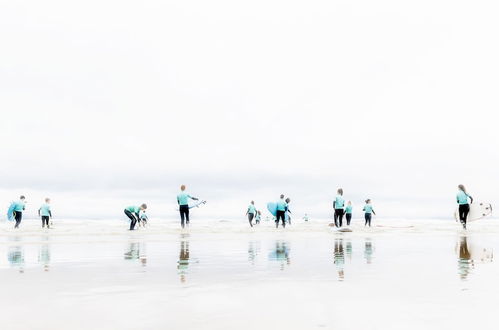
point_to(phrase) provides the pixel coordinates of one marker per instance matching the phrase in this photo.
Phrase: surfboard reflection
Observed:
(281, 254)
(469, 254)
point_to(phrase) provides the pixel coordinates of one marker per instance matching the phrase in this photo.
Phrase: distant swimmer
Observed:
(338, 205)
(464, 207)
(16, 210)
(251, 213)
(183, 202)
(369, 211)
(133, 213)
(45, 213)
(281, 212)
(305, 217)
(287, 215)
(348, 212)
(258, 217)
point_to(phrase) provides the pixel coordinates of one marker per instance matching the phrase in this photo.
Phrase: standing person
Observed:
(348, 212)
(17, 210)
(251, 212)
(305, 217)
(183, 202)
(281, 212)
(258, 217)
(133, 213)
(464, 207)
(287, 215)
(338, 205)
(45, 213)
(369, 211)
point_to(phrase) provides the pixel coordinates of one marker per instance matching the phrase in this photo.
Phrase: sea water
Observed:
(426, 274)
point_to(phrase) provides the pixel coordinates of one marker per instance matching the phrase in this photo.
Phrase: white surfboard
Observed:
(477, 211)
(197, 204)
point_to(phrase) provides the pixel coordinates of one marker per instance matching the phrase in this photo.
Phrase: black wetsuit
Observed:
(134, 217)
(368, 217)
(18, 216)
(250, 218)
(45, 220)
(184, 215)
(348, 217)
(338, 217)
(464, 209)
(280, 215)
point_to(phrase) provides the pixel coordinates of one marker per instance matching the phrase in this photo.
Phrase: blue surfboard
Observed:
(272, 207)
(10, 212)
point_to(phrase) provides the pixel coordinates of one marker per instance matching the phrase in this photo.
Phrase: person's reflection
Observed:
(44, 254)
(183, 261)
(339, 258)
(136, 251)
(349, 249)
(281, 254)
(368, 250)
(468, 255)
(253, 251)
(15, 255)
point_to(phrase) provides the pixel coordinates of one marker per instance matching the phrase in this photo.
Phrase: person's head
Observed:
(47, 200)
(259, 212)
(282, 196)
(253, 202)
(349, 203)
(143, 207)
(22, 197)
(340, 192)
(461, 187)
(288, 200)
(368, 201)
(182, 187)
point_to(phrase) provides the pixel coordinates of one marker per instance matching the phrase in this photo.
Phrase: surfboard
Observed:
(477, 211)
(197, 204)
(342, 230)
(10, 212)
(272, 207)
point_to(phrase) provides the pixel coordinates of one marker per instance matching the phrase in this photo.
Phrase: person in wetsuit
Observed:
(183, 202)
(281, 212)
(133, 213)
(462, 198)
(338, 205)
(368, 212)
(45, 213)
(251, 212)
(348, 212)
(18, 208)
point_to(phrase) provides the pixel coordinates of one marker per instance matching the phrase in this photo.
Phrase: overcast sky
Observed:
(110, 103)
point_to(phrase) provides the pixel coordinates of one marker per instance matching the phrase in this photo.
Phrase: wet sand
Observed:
(224, 275)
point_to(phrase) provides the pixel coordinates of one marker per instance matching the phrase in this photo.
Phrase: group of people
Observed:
(137, 214)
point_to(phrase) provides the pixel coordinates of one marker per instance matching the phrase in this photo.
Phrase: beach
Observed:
(224, 275)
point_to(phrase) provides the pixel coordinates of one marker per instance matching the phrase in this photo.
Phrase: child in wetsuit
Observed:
(258, 217)
(369, 211)
(45, 213)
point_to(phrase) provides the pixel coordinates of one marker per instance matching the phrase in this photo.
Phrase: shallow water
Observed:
(227, 276)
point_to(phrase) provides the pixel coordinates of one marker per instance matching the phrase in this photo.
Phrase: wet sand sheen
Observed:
(246, 279)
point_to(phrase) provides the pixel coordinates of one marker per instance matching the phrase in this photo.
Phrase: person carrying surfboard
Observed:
(369, 211)
(251, 212)
(183, 203)
(133, 213)
(462, 198)
(348, 212)
(45, 213)
(16, 210)
(281, 212)
(338, 205)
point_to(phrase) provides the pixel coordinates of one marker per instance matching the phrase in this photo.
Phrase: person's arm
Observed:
(247, 211)
(178, 201)
(50, 213)
(39, 211)
(374, 212)
(334, 205)
(471, 199)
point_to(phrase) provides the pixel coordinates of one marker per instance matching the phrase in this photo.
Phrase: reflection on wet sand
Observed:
(183, 261)
(281, 254)
(15, 255)
(339, 258)
(469, 254)
(44, 254)
(136, 251)
(253, 251)
(368, 250)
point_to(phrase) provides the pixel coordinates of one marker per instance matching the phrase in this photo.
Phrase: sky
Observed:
(106, 103)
